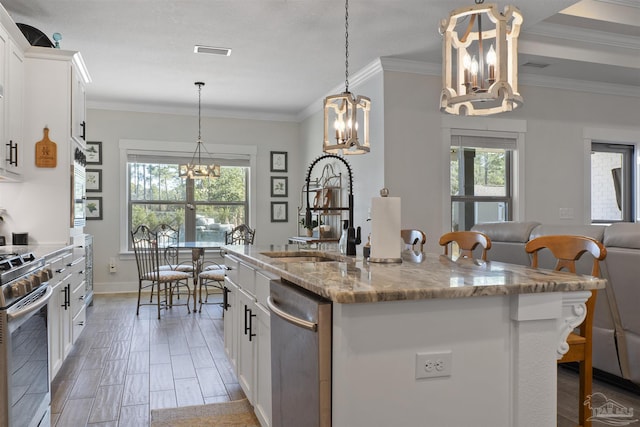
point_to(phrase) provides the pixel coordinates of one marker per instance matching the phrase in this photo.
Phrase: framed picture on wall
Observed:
(279, 211)
(278, 161)
(93, 208)
(94, 153)
(279, 186)
(94, 180)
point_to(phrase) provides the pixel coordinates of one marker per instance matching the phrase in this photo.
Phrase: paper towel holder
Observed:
(384, 193)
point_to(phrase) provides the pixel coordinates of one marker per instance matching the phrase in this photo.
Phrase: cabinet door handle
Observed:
(246, 322)
(83, 125)
(225, 298)
(66, 290)
(13, 153)
(81, 323)
(251, 316)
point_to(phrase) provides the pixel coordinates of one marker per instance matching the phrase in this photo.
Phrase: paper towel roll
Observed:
(385, 229)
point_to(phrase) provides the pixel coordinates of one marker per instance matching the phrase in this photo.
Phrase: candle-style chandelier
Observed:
(480, 60)
(197, 169)
(348, 116)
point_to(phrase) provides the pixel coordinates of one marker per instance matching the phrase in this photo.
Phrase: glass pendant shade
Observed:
(346, 124)
(197, 168)
(480, 60)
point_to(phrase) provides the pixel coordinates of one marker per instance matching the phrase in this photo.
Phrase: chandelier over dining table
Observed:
(199, 167)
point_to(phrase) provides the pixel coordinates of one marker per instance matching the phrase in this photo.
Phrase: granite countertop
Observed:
(421, 276)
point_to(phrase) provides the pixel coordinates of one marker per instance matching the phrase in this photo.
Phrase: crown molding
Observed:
(582, 35)
(579, 85)
(627, 3)
(188, 111)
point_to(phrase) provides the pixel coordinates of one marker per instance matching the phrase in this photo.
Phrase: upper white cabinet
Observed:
(12, 83)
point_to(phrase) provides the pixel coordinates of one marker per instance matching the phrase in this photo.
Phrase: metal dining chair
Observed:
(168, 239)
(145, 246)
(213, 273)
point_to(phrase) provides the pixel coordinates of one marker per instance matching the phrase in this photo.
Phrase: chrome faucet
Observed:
(353, 233)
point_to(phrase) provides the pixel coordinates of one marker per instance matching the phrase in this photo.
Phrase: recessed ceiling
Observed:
(289, 54)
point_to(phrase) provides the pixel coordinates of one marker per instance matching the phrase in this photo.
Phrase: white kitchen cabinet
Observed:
(247, 340)
(59, 314)
(262, 404)
(12, 83)
(51, 77)
(76, 299)
(247, 337)
(231, 322)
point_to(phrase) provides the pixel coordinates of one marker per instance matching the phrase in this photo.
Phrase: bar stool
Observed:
(467, 241)
(567, 249)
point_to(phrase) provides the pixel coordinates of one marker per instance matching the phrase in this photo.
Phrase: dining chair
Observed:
(211, 278)
(168, 239)
(412, 238)
(567, 249)
(467, 241)
(145, 246)
(240, 235)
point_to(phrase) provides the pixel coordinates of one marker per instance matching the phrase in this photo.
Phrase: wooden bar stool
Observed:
(567, 250)
(467, 241)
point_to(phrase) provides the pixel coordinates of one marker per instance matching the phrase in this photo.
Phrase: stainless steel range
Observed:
(25, 396)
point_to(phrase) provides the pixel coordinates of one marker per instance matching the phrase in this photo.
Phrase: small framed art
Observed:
(94, 153)
(278, 161)
(93, 208)
(279, 186)
(279, 211)
(94, 180)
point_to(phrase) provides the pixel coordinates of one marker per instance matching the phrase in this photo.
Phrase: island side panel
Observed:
(374, 352)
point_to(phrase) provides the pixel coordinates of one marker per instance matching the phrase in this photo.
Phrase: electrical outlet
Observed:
(112, 265)
(429, 365)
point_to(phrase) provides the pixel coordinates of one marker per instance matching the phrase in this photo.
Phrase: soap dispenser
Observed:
(342, 243)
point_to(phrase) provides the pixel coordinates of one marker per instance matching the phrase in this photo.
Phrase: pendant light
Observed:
(480, 60)
(197, 169)
(346, 118)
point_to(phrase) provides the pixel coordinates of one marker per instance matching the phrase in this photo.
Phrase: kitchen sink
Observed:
(300, 257)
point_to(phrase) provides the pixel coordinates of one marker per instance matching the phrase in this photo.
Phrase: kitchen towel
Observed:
(385, 229)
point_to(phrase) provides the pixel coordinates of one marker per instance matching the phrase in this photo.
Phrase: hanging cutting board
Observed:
(46, 152)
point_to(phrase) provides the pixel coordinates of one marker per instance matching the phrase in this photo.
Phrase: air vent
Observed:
(225, 51)
(535, 65)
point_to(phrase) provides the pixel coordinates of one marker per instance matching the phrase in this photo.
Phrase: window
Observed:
(481, 180)
(202, 210)
(611, 182)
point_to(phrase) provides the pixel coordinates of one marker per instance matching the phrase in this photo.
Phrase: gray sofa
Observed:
(616, 328)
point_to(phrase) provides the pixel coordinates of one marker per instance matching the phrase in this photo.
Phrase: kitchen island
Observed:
(502, 327)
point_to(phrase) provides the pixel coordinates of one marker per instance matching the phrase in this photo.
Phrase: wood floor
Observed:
(124, 365)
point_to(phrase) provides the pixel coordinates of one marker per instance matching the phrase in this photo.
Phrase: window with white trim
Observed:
(481, 178)
(612, 182)
(201, 209)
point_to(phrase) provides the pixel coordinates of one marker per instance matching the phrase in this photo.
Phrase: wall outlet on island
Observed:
(430, 365)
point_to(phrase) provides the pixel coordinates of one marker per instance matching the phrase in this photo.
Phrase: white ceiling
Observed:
(289, 54)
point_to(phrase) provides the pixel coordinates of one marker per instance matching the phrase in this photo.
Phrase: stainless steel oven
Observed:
(25, 395)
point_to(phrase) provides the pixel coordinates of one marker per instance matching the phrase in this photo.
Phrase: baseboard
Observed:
(608, 378)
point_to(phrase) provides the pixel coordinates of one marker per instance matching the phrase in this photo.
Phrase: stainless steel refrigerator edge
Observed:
(301, 328)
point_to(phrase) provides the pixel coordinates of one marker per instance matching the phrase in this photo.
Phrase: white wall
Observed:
(112, 126)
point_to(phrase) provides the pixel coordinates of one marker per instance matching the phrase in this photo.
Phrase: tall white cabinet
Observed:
(54, 83)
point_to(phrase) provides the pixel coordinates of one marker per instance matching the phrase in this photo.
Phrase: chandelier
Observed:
(480, 60)
(197, 169)
(346, 114)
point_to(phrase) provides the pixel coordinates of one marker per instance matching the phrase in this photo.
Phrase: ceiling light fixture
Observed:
(224, 51)
(196, 169)
(480, 64)
(341, 112)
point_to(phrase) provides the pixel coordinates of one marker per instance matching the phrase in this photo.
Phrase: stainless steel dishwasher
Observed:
(300, 357)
